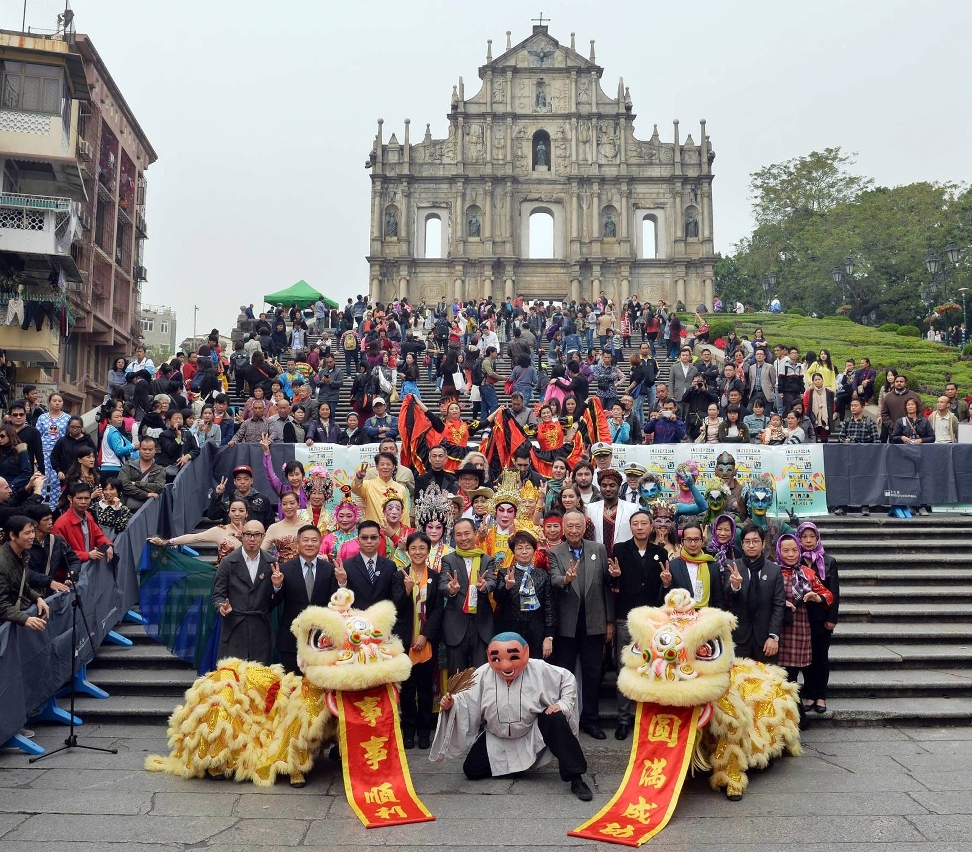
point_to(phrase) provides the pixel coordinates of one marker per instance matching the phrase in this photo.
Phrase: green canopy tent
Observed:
(300, 294)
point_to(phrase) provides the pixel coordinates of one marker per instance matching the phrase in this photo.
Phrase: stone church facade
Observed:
(454, 217)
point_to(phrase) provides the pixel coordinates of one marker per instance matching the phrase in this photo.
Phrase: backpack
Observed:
(197, 381)
(350, 342)
(477, 371)
(241, 360)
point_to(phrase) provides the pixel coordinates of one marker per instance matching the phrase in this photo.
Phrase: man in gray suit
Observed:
(680, 379)
(243, 594)
(762, 379)
(585, 610)
(467, 623)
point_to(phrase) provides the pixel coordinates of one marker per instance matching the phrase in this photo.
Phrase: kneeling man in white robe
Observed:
(529, 708)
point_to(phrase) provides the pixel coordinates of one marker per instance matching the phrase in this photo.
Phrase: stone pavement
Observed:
(855, 789)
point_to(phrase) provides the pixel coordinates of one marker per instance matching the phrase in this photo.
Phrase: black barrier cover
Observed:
(190, 493)
(897, 475)
(39, 662)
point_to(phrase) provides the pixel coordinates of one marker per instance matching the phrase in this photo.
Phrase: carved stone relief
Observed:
(499, 143)
(607, 142)
(584, 142)
(499, 90)
(474, 148)
(583, 90)
(562, 149)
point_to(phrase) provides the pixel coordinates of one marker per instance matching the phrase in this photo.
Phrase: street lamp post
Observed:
(769, 282)
(935, 268)
(842, 276)
(965, 316)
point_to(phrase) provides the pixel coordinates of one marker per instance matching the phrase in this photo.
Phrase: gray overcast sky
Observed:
(263, 113)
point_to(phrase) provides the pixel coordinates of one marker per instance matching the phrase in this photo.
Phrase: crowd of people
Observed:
(538, 534)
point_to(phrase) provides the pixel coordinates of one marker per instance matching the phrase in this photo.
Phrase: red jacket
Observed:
(68, 526)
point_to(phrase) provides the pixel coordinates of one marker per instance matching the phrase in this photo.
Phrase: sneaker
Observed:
(27, 732)
(580, 789)
(840, 511)
(865, 511)
(423, 740)
(923, 511)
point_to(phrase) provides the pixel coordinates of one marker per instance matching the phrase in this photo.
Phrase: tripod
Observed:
(71, 741)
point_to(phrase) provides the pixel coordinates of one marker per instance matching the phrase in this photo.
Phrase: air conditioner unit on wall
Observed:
(85, 151)
(85, 218)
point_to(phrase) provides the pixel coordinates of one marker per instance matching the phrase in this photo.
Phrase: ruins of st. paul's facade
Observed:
(541, 148)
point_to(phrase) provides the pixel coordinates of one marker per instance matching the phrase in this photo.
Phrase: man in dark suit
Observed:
(369, 575)
(585, 610)
(302, 582)
(243, 595)
(756, 596)
(695, 571)
(437, 474)
(466, 579)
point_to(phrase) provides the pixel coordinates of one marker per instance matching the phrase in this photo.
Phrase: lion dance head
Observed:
(680, 656)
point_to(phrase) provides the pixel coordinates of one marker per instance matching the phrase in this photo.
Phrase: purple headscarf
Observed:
(817, 554)
(722, 552)
(799, 584)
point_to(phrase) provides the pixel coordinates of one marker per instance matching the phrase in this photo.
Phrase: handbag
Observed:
(459, 380)
(508, 386)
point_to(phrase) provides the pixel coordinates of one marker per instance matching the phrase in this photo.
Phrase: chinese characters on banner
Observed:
(660, 756)
(377, 782)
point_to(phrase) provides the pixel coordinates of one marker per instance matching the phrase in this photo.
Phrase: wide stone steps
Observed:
(855, 593)
(940, 682)
(848, 655)
(911, 612)
(903, 574)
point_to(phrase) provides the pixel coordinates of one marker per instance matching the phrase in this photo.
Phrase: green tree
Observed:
(812, 214)
(804, 187)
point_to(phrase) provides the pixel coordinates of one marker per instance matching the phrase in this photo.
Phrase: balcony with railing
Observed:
(39, 224)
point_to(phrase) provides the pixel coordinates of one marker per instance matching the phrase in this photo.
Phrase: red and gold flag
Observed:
(376, 777)
(661, 753)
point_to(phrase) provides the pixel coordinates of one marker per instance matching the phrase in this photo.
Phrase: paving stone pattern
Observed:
(889, 789)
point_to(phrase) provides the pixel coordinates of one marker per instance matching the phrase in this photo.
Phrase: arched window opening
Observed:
(649, 247)
(541, 234)
(433, 236)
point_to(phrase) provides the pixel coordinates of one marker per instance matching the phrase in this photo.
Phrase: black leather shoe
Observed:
(409, 740)
(423, 740)
(580, 789)
(621, 732)
(594, 732)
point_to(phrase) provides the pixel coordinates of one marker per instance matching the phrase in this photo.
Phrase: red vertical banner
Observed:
(376, 777)
(661, 753)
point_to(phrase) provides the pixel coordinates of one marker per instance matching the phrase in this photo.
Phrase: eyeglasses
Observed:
(252, 535)
(18, 413)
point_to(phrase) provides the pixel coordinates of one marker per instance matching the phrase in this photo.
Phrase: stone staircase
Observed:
(902, 651)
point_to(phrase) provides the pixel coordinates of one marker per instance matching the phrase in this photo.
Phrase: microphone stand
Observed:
(71, 741)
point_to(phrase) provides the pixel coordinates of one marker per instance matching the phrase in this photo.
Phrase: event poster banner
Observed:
(797, 469)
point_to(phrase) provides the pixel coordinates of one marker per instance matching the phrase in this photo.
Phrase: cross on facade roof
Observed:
(540, 20)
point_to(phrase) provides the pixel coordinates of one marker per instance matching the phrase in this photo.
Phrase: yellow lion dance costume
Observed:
(683, 657)
(252, 722)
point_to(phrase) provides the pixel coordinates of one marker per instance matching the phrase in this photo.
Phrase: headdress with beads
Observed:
(434, 504)
(508, 491)
(391, 494)
(663, 508)
(318, 479)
